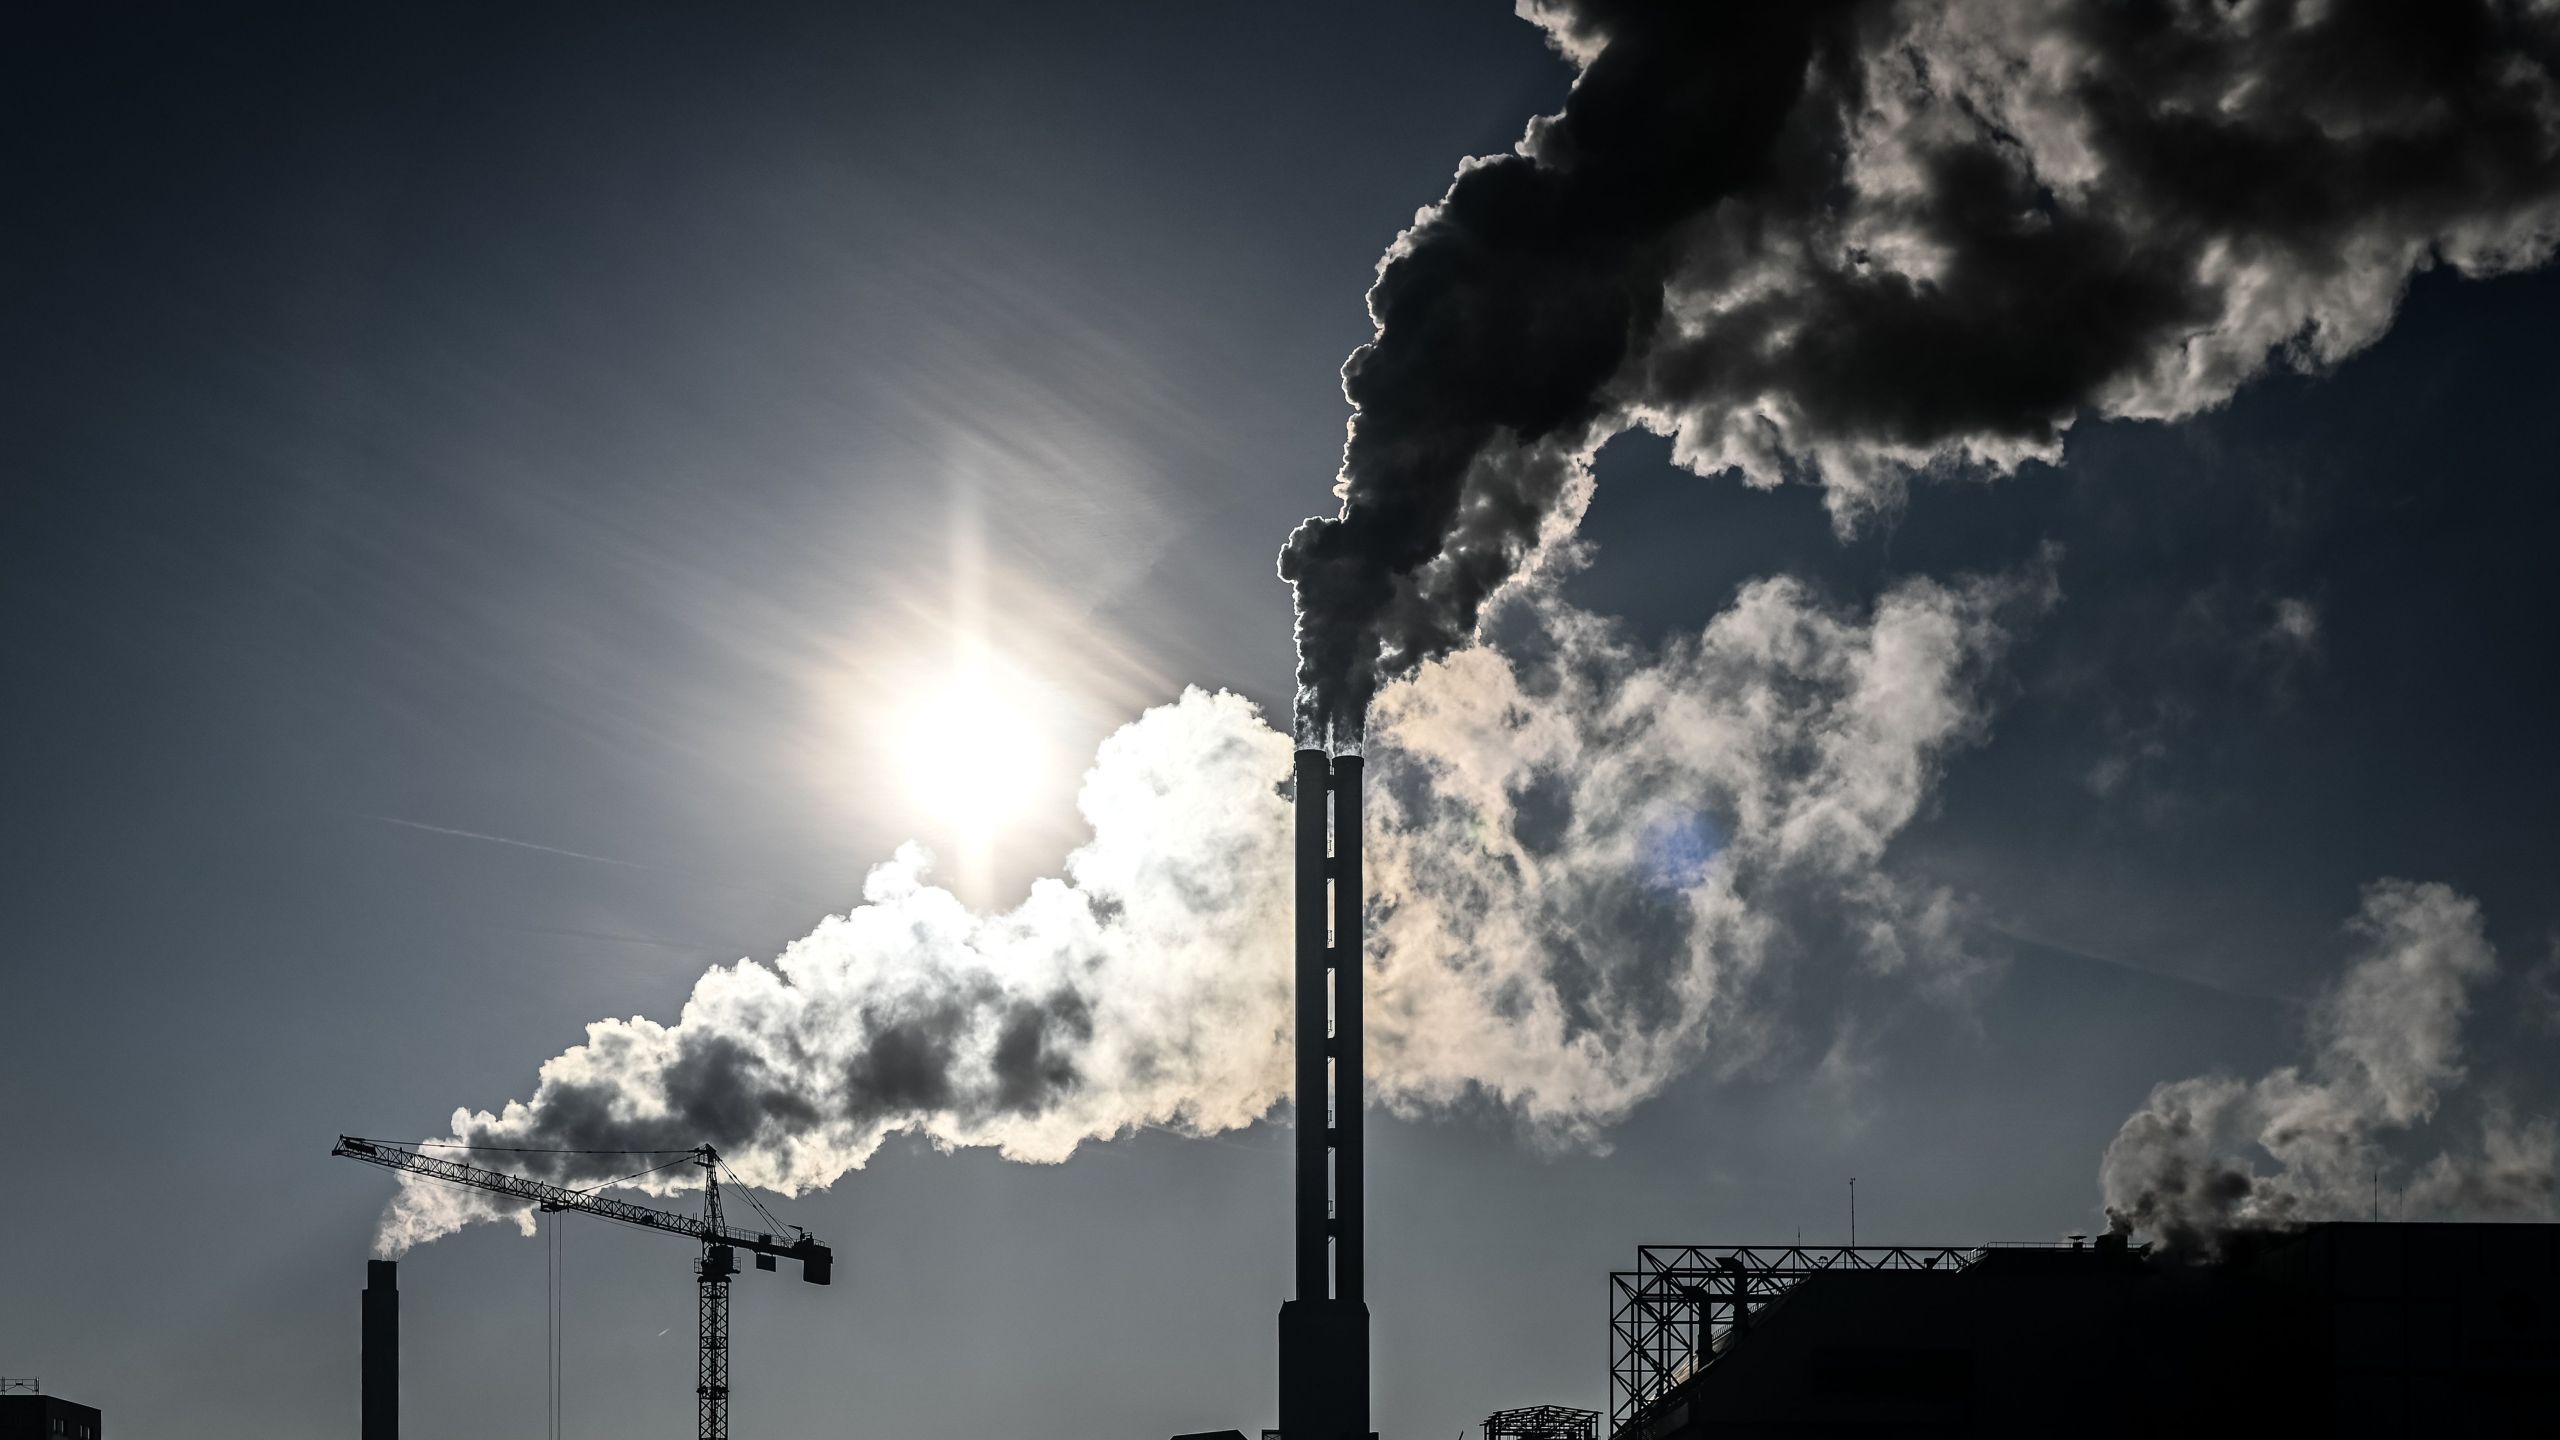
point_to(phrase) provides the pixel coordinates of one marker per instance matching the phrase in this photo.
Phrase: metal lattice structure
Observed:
(30, 1386)
(711, 1344)
(404, 1155)
(1684, 1303)
(1542, 1422)
(711, 1367)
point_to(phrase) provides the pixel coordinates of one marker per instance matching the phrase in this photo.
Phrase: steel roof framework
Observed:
(1542, 1422)
(1682, 1303)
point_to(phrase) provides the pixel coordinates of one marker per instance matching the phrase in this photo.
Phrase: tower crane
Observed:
(718, 1261)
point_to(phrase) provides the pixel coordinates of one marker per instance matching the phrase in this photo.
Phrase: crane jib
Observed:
(817, 1261)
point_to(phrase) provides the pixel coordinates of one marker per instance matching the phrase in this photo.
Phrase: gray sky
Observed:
(480, 490)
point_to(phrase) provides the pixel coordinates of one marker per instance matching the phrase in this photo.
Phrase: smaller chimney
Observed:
(382, 1350)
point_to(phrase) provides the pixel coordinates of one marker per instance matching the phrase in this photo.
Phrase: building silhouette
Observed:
(28, 1416)
(2334, 1330)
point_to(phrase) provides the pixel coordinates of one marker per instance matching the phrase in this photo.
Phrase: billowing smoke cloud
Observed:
(1842, 242)
(1586, 860)
(1594, 860)
(1150, 986)
(2387, 1050)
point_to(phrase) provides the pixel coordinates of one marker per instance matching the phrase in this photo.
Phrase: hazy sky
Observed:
(485, 493)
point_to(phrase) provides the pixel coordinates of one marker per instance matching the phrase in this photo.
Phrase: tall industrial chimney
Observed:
(382, 1350)
(1324, 1331)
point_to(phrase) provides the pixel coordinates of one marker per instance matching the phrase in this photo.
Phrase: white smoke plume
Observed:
(1592, 858)
(2210, 1155)
(1586, 860)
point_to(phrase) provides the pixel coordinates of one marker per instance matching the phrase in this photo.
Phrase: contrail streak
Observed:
(728, 882)
(2074, 952)
(655, 942)
(506, 840)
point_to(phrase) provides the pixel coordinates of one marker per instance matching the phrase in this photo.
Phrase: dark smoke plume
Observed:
(1844, 242)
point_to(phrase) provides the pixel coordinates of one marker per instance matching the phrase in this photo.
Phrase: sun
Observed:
(971, 750)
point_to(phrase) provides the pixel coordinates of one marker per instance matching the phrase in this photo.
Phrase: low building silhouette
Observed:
(2334, 1329)
(25, 1416)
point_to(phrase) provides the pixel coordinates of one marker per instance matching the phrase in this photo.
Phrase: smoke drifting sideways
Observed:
(2386, 1053)
(1591, 865)
(1843, 243)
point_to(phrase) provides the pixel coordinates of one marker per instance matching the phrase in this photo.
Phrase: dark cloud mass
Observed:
(1843, 243)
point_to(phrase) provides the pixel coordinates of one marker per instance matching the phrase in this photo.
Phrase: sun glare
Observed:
(971, 751)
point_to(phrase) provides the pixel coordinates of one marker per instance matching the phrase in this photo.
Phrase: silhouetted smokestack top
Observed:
(1313, 1022)
(1324, 1329)
(382, 1350)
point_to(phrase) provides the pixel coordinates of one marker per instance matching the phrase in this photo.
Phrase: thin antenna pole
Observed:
(1853, 1212)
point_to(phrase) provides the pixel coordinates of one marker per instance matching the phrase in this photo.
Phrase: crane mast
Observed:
(711, 1311)
(720, 1243)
